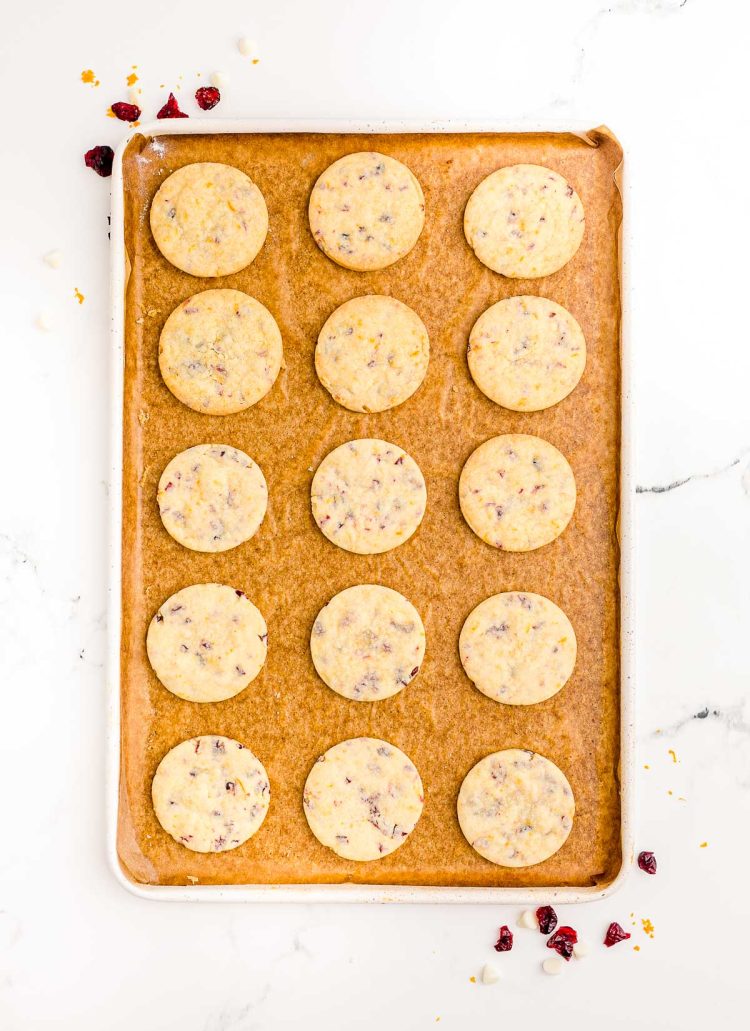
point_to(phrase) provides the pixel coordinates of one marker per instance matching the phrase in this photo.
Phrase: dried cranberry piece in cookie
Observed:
(562, 941)
(647, 862)
(546, 917)
(207, 97)
(615, 934)
(126, 112)
(505, 942)
(171, 109)
(100, 159)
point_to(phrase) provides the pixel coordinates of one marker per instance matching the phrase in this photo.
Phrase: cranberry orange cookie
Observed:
(524, 221)
(518, 648)
(367, 642)
(526, 353)
(363, 798)
(220, 352)
(207, 642)
(212, 497)
(209, 219)
(372, 353)
(210, 793)
(368, 496)
(516, 808)
(366, 211)
(517, 492)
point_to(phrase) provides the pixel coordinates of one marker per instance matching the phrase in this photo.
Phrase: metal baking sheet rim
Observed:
(355, 892)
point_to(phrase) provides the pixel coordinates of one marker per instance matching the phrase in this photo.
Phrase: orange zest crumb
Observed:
(256, 60)
(704, 844)
(132, 79)
(110, 113)
(647, 767)
(473, 980)
(672, 752)
(78, 295)
(648, 927)
(636, 948)
(89, 77)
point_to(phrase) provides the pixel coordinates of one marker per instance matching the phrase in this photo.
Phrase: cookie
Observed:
(368, 496)
(517, 492)
(372, 353)
(212, 497)
(367, 642)
(207, 642)
(524, 221)
(209, 219)
(516, 808)
(518, 648)
(363, 798)
(220, 352)
(210, 793)
(526, 353)
(366, 211)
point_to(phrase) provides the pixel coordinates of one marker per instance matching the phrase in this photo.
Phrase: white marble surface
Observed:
(76, 951)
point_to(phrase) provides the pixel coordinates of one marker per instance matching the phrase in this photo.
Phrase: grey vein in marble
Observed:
(664, 488)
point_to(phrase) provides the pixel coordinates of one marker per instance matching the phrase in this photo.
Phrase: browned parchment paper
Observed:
(288, 716)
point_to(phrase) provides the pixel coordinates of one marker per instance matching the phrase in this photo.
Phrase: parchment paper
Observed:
(288, 716)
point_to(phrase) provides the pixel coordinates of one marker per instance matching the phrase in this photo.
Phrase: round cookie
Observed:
(372, 353)
(518, 648)
(368, 496)
(367, 642)
(220, 352)
(207, 642)
(366, 211)
(363, 798)
(516, 808)
(517, 492)
(210, 793)
(209, 219)
(212, 497)
(526, 353)
(524, 221)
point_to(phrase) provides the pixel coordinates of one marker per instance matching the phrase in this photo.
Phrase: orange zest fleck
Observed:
(648, 927)
(704, 844)
(673, 754)
(89, 77)
(78, 295)
(132, 79)
(646, 766)
(636, 948)
(110, 113)
(256, 60)
(473, 980)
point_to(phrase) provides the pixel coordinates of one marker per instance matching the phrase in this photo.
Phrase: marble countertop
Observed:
(78, 952)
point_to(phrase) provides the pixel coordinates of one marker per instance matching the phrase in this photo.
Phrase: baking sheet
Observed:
(288, 716)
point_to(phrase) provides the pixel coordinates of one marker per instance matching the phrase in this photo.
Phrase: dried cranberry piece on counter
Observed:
(171, 109)
(647, 862)
(100, 159)
(546, 917)
(505, 942)
(615, 934)
(562, 941)
(126, 112)
(207, 97)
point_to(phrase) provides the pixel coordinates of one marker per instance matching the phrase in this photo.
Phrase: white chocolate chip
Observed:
(489, 974)
(43, 322)
(53, 259)
(553, 965)
(527, 919)
(220, 80)
(580, 949)
(247, 47)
